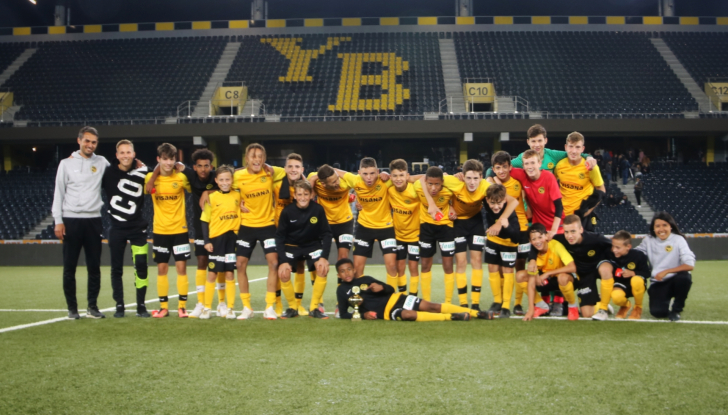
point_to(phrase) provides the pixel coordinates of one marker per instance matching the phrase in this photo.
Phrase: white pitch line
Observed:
(634, 321)
(56, 320)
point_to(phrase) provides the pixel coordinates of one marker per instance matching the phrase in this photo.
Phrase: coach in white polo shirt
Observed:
(77, 212)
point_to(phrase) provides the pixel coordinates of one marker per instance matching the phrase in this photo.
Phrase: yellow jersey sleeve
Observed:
(351, 179)
(205, 217)
(278, 173)
(146, 180)
(595, 175)
(186, 184)
(561, 252)
(453, 184)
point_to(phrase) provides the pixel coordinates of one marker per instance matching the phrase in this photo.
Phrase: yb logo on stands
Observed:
(355, 73)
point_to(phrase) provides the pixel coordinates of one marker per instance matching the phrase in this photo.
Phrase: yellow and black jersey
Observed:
(222, 212)
(555, 257)
(375, 213)
(169, 203)
(257, 192)
(576, 183)
(335, 202)
(442, 201)
(465, 203)
(515, 190)
(405, 213)
(281, 203)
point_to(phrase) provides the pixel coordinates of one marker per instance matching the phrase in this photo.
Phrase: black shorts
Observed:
(497, 254)
(343, 234)
(469, 233)
(365, 237)
(247, 237)
(433, 235)
(524, 245)
(586, 288)
(297, 253)
(222, 258)
(166, 245)
(408, 250)
(552, 285)
(626, 284)
(199, 241)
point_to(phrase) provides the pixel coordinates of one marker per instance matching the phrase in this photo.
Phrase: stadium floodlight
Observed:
(33, 1)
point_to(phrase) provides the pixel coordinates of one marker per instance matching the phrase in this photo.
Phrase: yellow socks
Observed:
(462, 281)
(183, 284)
(402, 283)
(221, 286)
(270, 299)
(449, 287)
(476, 281)
(319, 286)
(520, 290)
(607, 286)
(619, 297)
(209, 294)
(427, 285)
(568, 292)
(279, 301)
(163, 291)
(290, 294)
(299, 285)
(200, 284)
(245, 298)
(452, 309)
(495, 286)
(313, 277)
(422, 316)
(230, 293)
(392, 281)
(414, 283)
(508, 281)
(638, 290)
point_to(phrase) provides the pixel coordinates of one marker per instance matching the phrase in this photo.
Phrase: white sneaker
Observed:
(230, 314)
(601, 315)
(197, 311)
(246, 314)
(206, 314)
(610, 309)
(270, 314)
(222, 309)
(336, 313)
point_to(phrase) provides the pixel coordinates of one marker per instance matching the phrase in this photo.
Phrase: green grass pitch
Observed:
(304, 366)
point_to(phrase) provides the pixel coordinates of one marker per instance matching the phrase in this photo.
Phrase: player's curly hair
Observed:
(202, 154)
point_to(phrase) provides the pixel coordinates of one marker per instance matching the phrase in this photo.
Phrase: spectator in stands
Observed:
(77, 212)
(645, 165)
(624, 202)
(612, 201)
(624, 166)
(672, 260)
(641, 156)
(638, 185)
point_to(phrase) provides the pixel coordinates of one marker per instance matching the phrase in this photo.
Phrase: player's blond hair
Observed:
(225, 168)
(124, 143)
(574, 138)
(303, 184)
(250, 148)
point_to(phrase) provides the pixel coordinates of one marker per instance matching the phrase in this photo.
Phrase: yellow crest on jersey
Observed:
(541, 190)
(668, 248)
(591, 253)
(209, 186)
(631, 265)
(551, 261)
(550, 166)
(407, 201)
(175, 185)
(594, 220)
(440, 199)
(93, 169)
(211, 265)
(314, 220)
(364, 287)
(262, 179)
(582, 176)
(516, 187)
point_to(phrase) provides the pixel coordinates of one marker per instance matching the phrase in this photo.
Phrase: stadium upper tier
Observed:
(575, 72)
(361, 74)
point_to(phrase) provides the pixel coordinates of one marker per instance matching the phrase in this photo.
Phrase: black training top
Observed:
(512, 232)
(372, 301)
(125, 195)
(635, 261)
(198, 186)
(304, 228)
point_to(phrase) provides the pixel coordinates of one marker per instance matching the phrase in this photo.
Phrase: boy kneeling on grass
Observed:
(380, 302)
(220, 220)
(631, 270)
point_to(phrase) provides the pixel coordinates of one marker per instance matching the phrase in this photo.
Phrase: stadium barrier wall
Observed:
(50, 253)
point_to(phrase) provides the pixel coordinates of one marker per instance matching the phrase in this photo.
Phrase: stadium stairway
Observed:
(218, 76)
(451, 75)
(17, 63)
(645, 210)
(684, 77)
(38, 230)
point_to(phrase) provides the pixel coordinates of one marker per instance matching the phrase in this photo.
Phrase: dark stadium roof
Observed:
(15, 13)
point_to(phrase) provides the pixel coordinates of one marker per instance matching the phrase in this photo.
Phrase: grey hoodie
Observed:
(78, 187)
(670, 253)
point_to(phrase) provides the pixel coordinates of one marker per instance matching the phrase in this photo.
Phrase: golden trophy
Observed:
(355, 300)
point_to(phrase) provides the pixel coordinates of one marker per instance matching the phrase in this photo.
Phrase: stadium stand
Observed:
(113, 79)
(390, 61)
(703, 54)
(575, 72)
(25, 199)
(9, 52)
(691, 194)
(621, 217)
